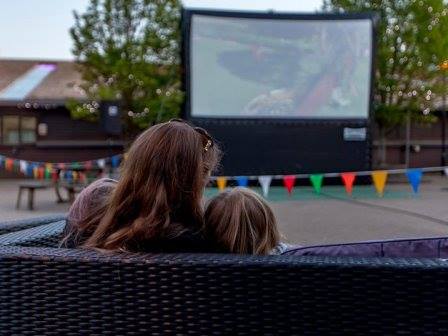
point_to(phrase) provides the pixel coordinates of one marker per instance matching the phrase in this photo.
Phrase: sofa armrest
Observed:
(22, 224)
(47, 235)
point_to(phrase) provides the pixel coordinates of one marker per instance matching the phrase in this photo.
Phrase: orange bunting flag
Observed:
(348, 179)
(379, 178)
(289, 181)
(9, 164)
(221, 181)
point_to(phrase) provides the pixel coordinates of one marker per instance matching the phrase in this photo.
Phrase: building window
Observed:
(17, 129)
(28, 130)
(10, 130)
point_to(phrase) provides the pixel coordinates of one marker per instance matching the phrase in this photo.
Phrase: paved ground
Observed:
(307, 218)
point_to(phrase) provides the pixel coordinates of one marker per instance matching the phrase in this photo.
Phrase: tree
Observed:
(411, 43)
(128, 50)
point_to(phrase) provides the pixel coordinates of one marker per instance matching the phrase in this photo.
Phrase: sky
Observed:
(38, 29)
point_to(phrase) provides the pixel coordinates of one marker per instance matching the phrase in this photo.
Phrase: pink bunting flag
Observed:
(348, 179)
(289, 181)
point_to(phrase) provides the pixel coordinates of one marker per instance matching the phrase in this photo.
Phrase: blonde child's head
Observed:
(241, 221)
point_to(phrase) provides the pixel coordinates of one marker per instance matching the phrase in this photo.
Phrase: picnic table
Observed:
(71, 187)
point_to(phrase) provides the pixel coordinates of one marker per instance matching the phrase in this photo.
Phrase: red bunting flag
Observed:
(289, 181)
(41, 173)
(348, 179)
(54, 175)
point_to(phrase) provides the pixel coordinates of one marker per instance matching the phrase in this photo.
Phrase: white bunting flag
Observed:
(446, 171)
(23, 166)
(265, 182)
(101, 163)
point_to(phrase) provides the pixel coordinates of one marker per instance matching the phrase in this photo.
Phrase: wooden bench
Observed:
(31, 186)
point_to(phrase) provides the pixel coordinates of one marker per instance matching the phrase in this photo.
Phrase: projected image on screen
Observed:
(280, 68)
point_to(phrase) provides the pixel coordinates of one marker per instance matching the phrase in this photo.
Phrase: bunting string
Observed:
(348, 179)
(69, 171)
(78, 172)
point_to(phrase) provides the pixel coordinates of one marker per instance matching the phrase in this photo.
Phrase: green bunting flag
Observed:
(316, 181)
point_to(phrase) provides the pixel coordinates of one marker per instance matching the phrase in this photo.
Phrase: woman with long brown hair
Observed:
(156, 205)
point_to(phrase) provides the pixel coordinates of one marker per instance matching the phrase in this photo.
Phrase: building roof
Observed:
(59, 83)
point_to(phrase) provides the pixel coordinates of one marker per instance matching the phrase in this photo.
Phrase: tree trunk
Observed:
(383, 148)
(408, 140)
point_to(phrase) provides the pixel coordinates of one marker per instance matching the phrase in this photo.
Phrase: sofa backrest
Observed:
(49, 291)
(399, 248)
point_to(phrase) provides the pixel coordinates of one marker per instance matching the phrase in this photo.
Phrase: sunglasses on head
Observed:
(199, 130)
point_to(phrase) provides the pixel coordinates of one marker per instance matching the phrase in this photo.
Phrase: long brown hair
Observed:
(240, 221)
(160, 190)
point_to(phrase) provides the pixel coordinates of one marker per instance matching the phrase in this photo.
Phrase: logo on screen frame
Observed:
(355, 134)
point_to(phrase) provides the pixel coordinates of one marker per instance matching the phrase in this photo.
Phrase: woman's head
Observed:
(160, 189)
(240, 221)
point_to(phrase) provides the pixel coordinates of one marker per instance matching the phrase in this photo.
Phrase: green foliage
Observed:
(128, 50)
(411, 44)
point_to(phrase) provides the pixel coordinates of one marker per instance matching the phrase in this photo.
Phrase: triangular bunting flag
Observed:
(446, 171)
(35, 171)
(289, 181)
(316, 181)
(29, 170)
(379, 178)
(75, 165)
(23, 165)
(265, 182)
(348, 179)
(41, 173)
(47, 173)
(88, 165)
(101, 163)
(414, 177)
(9, 164)
(115, 161)
(221, 181)
(242, 181)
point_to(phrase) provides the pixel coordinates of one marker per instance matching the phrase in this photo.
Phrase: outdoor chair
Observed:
(54, 291)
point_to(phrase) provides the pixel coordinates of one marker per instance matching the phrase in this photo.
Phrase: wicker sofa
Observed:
(46, 290)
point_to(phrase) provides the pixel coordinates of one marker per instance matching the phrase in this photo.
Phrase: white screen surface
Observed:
(252, 67)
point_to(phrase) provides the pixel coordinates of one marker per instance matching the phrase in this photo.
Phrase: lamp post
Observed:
(444, 67)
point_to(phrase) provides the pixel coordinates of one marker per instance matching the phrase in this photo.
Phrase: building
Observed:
(35, 124)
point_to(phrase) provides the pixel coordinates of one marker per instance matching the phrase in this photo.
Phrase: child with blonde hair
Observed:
(240, 221)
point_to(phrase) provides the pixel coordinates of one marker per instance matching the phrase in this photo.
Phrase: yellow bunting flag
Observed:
(379, 178)
(222, 182)
(36, 172)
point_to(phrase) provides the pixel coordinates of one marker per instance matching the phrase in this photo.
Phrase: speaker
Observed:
(110, 118)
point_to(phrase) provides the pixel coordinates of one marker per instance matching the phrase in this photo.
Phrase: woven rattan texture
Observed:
(16, 225)
(47, 291)
(46, 235)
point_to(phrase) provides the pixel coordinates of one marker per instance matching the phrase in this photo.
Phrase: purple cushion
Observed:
(403, 248)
